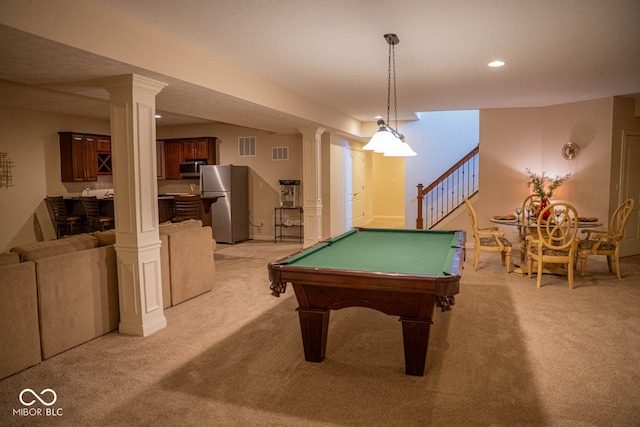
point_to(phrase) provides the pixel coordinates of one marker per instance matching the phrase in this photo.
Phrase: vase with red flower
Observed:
(543, 186)
(543, 204)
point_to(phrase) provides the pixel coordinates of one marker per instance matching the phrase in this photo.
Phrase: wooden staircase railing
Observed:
(447, 192)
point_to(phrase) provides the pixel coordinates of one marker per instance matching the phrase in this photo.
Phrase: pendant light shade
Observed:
(382, 139)
(388, 140)
(400, 149)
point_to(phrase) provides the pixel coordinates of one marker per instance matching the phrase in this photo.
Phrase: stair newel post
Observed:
(419, 224)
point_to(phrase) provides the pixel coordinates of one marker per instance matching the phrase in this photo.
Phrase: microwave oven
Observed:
(191, 169)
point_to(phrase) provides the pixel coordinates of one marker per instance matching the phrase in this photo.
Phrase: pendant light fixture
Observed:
(388, 140)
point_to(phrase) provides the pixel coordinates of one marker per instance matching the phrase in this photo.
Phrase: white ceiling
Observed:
(333, 51)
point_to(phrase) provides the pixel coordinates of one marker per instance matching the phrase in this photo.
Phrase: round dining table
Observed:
(532, 224)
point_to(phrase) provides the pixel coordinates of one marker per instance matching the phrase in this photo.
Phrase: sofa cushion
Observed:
(77, 298)
(49, 248)
(9, 258)
(19, 335)
(105, 238)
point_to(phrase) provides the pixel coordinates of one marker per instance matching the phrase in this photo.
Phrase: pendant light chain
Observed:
(389, 84)
(395, 97)
(388, 140)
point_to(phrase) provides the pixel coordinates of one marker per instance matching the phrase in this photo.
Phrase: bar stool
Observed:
(63, 222)
(186, 207)
(95, 221)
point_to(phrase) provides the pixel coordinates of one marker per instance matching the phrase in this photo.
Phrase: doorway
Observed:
(630, 189)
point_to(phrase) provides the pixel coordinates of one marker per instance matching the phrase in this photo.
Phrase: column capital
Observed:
(316, 132)
(126, 82)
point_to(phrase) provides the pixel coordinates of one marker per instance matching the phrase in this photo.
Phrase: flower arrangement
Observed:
(544, 186)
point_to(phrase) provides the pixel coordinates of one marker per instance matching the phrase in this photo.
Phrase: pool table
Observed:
(398, 272)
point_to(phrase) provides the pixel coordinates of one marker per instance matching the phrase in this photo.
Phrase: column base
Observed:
(143, 330)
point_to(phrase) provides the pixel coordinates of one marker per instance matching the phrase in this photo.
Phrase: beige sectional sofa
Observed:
(72, 283)
(58, 294)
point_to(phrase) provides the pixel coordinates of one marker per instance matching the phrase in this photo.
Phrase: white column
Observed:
(133, 153)
(312, 185)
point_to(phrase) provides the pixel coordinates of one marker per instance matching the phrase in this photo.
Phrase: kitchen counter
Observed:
(165, 206)
(166, 196)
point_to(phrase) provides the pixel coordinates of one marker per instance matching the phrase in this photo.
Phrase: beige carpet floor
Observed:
(507, 354)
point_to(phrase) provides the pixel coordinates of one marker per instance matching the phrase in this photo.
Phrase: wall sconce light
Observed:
(570, 150)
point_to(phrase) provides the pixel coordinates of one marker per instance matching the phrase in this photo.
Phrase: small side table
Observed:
(289, 224)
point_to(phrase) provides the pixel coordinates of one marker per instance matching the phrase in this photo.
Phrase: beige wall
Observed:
(264, 176)
(510, 141)
(514, 139)
(388, 183)
(31, 140)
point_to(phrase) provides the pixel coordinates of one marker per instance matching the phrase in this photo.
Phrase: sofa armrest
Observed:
(189, 256)
(9, 258)
(105, 238)
(20, 334)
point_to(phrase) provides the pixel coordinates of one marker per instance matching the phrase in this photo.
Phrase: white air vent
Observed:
(247, 146)
(280, 153)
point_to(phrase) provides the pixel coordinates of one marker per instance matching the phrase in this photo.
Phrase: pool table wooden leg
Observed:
(415, 333)
(314, 325)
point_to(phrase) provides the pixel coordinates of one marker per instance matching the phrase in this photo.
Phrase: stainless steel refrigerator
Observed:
(230, 212)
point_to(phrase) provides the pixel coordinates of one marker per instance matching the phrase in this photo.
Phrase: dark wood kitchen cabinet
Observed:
(103, 148)
(196, 149)
(180, 150)
(173, 158)
(160, 160)
(78, 157)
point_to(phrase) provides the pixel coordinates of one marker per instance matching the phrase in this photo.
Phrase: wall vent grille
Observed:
(247, 146)
(280, 153)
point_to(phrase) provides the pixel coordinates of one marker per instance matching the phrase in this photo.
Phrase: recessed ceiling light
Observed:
(158, 116)
(496, 64)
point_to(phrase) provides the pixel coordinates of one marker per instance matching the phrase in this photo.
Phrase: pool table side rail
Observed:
(281, 274)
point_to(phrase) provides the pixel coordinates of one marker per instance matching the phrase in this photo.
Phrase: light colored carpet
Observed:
(507, 354)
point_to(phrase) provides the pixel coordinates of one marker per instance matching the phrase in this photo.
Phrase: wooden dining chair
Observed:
(186, 207)
(62, 221)
(95, 221)
(530, 207)
(554, 241)
(606, 242)
(488, 239)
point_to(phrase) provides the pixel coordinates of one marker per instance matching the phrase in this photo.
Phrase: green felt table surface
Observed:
(428, 252)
